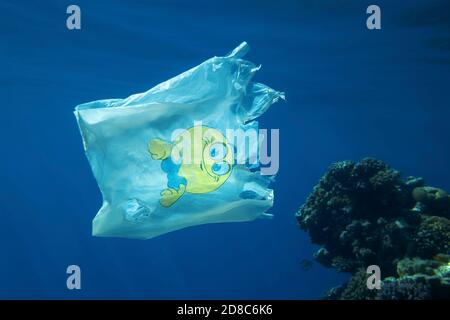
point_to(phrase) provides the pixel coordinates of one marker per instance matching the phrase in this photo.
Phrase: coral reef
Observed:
(404, 289)
(365, 214)
(356, 288)
(418, 279)
(432, 201)
(432, 236)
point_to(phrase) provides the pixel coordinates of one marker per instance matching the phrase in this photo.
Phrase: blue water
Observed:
(350, 92)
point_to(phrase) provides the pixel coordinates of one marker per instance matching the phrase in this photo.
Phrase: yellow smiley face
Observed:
(210, 161)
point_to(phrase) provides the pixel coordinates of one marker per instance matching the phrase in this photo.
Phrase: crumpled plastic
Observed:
(129, 144)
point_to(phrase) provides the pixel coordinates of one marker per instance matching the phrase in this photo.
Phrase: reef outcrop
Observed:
(364, 214)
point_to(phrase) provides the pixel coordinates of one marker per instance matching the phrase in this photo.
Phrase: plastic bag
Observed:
(137, 148)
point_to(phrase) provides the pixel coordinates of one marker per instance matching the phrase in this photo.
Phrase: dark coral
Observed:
(356, 288)
(432, 237)
(432, 201)
(408, 266)
(359, 213)
(419, 279)
(365, 214)
(404, 289)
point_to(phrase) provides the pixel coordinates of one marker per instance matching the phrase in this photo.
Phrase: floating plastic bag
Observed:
(162, 158)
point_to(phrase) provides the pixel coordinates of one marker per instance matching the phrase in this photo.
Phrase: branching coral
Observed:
(433, 236)
(432, 201)
(419, 279)
(356, 288)
(365, 213)
(404, 289)
(359, 214)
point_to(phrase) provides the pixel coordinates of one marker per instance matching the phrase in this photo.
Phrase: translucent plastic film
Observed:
(170, 158)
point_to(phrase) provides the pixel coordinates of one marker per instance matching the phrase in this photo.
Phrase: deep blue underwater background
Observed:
(350, 93)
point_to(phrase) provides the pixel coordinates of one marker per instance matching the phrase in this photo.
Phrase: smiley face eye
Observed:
(221, 168)
(218, 151)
